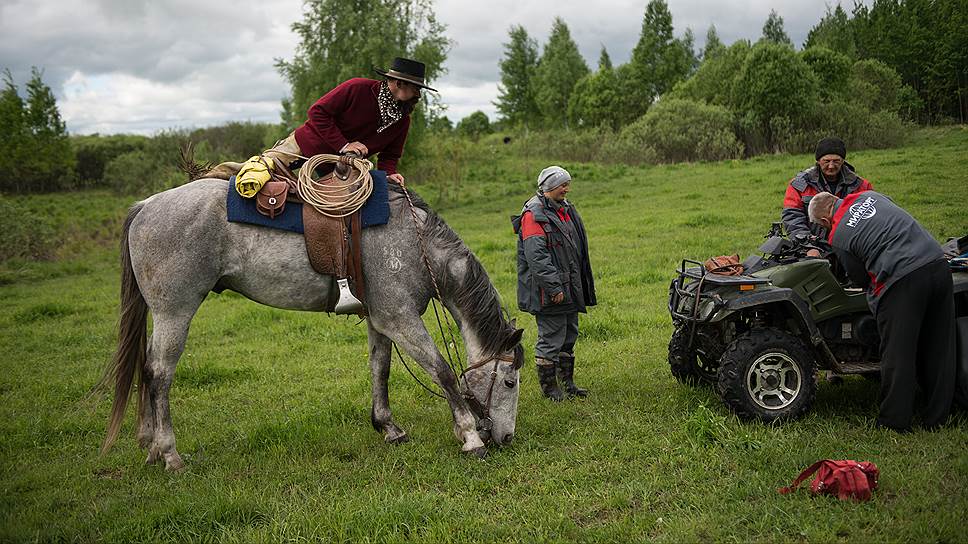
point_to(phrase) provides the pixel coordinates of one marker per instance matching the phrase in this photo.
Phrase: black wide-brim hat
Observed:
(411, 71)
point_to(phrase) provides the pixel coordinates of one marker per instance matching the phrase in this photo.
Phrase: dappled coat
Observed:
(810, 182)
(552, 258)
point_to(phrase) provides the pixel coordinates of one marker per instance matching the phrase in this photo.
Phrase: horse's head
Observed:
(492, 388)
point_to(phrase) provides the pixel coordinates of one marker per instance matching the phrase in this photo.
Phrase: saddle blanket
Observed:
(376, 210)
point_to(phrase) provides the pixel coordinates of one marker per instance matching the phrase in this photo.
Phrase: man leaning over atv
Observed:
(831, 174)
(909, 290)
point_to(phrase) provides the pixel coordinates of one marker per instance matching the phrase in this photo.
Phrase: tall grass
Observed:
(271, 408)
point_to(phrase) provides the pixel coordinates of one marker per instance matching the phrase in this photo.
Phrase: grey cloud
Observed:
(209, 62)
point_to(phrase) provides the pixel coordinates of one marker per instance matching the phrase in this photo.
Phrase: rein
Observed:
(481, 410)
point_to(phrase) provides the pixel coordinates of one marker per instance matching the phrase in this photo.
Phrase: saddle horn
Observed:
(347, 304)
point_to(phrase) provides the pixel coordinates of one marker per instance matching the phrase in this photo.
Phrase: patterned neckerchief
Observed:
(390, 110)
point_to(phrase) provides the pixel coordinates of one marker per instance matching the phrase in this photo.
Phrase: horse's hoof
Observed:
(398, 438)
(477, 453)
(174, 463)
(153, 457)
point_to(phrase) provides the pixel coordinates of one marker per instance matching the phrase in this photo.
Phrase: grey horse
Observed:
(177, 245)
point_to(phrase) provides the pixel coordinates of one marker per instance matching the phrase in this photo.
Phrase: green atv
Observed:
(760, 337)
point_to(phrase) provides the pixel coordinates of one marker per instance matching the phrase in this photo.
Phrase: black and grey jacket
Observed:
(878, 242)
(552, 258)
(808, 183)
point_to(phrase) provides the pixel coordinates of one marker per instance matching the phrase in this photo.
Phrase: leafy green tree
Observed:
(773, 30)
(776, 92)
(474, 125)
(659, 60)
(834, 32)
(342, 39)
(714, 45)
(713, 82)
(35, 150)
(876, 85)
(597, 98)
(13, 131)
(561, 66)
(441, 125)
(604, 60)
(516, 102)
(832, 69)
(926, 41)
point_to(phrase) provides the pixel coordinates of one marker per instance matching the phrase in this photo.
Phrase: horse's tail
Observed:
(130, 358)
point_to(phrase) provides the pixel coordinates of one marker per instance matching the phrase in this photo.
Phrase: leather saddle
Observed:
(332, 244)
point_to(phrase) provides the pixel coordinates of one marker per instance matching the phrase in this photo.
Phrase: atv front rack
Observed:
(688, 285)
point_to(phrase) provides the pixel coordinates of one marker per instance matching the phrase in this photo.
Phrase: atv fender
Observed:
(794, 306)
(787, 298)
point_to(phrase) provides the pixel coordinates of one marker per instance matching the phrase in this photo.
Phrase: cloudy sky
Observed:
(139, 66)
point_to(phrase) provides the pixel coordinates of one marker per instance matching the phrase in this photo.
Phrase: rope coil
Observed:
(336, 200)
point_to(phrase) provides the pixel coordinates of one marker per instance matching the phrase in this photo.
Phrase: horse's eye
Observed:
(510, 383)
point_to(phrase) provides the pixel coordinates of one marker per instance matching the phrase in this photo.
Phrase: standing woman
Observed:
(362, 115)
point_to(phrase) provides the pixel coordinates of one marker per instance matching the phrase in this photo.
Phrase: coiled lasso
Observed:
(335, 199)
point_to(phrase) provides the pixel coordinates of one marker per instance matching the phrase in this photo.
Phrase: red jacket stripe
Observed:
(530, 227)
(844, 206)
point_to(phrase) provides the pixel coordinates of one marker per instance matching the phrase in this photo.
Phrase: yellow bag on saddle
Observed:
(253, 175)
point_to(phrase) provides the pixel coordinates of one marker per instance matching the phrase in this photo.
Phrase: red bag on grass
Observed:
(845, 479)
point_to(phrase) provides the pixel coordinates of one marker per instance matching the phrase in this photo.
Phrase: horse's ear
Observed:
(513, 340)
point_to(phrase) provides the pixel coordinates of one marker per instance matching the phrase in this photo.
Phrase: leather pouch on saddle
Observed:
(724, 265)
(271, 199)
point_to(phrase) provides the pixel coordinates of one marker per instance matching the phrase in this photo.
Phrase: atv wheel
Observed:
(768, 374)
(687, 365)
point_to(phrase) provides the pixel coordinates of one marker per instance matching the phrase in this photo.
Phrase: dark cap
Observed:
(831, 146)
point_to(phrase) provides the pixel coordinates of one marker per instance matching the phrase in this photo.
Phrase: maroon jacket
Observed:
(350, 113)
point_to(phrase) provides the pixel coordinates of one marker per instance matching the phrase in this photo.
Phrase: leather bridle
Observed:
(483, 410)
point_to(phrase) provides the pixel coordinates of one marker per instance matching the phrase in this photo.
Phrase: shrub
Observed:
(876, 85)
(235, 141)
(94, 152)
(474, 125)
(832, 69)
(775, 88)
(23, 239)
(714, 80)
(141, 172)
(677, 130)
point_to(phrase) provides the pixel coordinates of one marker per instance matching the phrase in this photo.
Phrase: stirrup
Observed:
(347, 304)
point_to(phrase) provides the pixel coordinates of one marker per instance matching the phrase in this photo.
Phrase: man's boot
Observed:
(566, 371)
(546, 376)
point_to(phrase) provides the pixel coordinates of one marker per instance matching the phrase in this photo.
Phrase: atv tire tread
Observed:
(735, 364)
(684, 363)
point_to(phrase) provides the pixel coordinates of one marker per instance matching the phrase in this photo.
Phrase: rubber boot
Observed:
(566, 371)
(547, 379)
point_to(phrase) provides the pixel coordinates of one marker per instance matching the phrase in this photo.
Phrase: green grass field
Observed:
(271, 408)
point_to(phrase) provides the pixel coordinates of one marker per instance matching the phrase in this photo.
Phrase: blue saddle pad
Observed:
(376, 210)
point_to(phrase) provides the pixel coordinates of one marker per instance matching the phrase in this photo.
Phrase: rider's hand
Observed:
(813, 253)
(396, 178)
(558, 297)
(356, 147)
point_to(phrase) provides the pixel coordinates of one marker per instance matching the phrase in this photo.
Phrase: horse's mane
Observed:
(474, 293)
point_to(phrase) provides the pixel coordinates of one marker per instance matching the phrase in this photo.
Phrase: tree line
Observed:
(861, 76)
